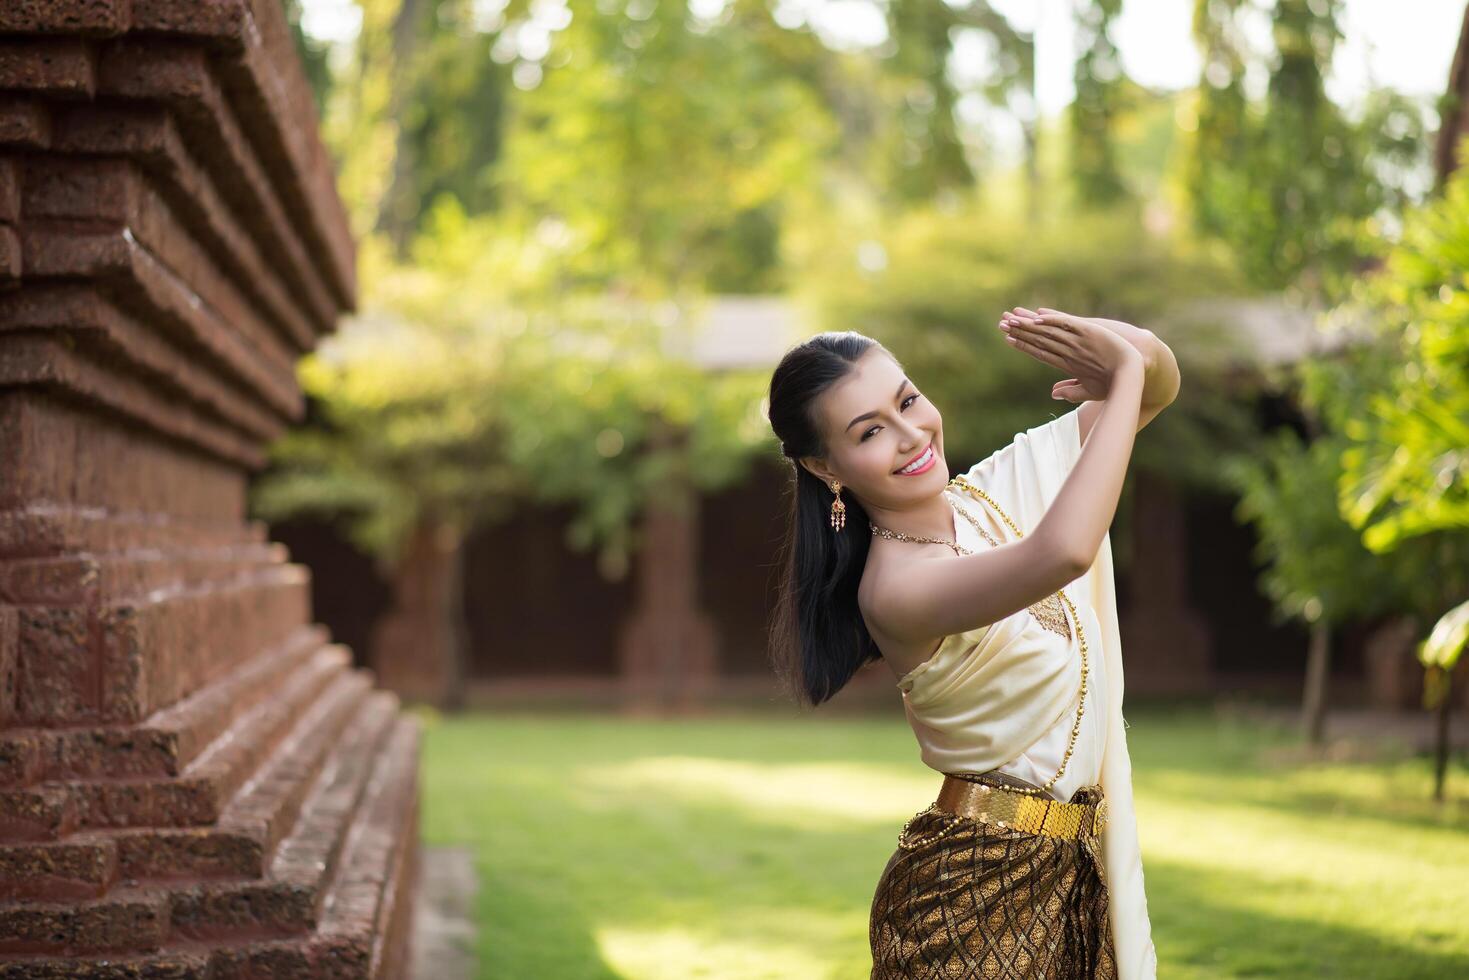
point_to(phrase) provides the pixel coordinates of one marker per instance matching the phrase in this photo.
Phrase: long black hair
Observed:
(818, 639)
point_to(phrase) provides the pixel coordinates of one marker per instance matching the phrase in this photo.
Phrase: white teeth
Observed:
(920, 461)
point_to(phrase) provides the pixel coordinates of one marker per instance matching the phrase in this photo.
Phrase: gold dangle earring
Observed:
(838, 509)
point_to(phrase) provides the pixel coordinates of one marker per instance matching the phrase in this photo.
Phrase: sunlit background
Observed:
(540, 498)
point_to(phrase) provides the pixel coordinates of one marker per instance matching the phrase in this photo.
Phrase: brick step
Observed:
(371, 906)
(87, 864)
(82, 578)
(197, 795)
(365, 923)
(348, 817)
(57, 871)
(164, 743)
(166, 965)
(200, 793)
(241, 844)
(289, 899)
(127, 920)
(38, 813)
(129, 659)
(36, 529)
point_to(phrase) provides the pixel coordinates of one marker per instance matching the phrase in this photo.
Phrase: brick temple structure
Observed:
(194, 780)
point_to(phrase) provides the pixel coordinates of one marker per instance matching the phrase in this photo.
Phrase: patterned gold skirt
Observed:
(990, 902)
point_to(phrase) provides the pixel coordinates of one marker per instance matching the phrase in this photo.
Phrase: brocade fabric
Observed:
(992, 903)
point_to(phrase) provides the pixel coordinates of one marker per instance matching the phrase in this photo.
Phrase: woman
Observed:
(990, 597)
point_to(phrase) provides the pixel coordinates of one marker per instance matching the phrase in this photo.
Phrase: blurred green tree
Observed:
(659, 152)
(1291, 183)
(1314, 567)
(1101, 93)
(1398, 399)
(443, 408)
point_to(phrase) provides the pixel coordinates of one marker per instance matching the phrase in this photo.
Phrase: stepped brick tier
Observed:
(194, 780)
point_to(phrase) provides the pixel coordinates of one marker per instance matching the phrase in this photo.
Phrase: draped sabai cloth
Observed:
(1004, 696)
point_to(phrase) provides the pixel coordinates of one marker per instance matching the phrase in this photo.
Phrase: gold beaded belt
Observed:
(1033, 811)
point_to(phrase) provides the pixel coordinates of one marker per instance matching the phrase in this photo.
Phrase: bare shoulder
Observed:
(873, 600)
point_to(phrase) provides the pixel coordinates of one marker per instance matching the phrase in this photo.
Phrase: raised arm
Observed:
(1161, 379)
(932, 599)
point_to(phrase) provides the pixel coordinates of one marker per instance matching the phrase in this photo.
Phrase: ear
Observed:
(816, 469)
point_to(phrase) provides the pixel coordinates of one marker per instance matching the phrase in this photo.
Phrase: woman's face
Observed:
(876, 423)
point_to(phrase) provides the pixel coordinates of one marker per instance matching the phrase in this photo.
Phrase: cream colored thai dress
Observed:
(1004, 696)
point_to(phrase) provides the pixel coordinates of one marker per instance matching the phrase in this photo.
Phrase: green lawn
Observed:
(749, 848)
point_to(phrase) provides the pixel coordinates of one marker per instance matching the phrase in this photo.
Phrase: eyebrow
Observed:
(868, 415)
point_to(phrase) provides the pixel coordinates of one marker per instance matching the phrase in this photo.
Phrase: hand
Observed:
(1090, 349)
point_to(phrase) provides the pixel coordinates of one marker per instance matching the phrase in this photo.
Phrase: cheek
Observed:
(878, 461)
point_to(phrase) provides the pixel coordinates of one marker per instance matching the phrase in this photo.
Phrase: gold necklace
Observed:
(964, 484)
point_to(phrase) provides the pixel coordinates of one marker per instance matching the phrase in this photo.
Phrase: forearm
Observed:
(1082, 511)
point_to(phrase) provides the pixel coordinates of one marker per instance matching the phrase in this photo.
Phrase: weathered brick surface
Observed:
(122, 660)
(76, 868)
(166, 742)
(194, 781)
(9, 669)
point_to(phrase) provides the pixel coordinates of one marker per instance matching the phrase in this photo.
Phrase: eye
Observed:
(906, 401)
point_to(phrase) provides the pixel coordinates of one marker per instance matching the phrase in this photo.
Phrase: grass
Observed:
(749, 847)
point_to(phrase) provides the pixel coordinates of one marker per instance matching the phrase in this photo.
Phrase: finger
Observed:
(1022, 311)
(1045, 343)
(1039, 353)
(1062, 384)
(1066, 321)
(1037, 331)
(1070, 393)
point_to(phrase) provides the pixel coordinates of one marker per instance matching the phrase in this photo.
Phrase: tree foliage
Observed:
(1290, 182)
(1406, 473)
(1314, 566)
(1100, 99)
(444, 401)
(651, 139)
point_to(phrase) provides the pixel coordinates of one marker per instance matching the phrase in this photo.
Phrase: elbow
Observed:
(1076, 561)
(1069, 562)
(1075, 565)
(1078, 564)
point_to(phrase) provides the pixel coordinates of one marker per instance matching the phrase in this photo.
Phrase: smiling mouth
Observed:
(919, 461)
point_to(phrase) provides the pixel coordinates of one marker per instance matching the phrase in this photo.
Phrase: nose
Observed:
(916, 437)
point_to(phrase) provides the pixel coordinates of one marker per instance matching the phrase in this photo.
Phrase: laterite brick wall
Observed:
(194, 780)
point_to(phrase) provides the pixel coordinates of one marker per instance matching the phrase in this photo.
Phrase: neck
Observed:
(928, 518)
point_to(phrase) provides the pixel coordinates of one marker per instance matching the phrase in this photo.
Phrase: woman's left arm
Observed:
(1160, 376)
(1161, 379)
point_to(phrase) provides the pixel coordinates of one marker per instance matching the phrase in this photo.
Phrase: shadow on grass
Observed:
(1197, 934)
(528, 927)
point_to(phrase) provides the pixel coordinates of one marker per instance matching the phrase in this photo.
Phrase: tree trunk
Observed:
(399, 205)
(1441, 737)
(1318, 663)
(455, 629)
(418, 648)
(1456, 111)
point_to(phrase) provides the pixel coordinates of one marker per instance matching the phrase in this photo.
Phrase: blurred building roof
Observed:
(1260, 332)
(740, 331)
(1243, 333)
